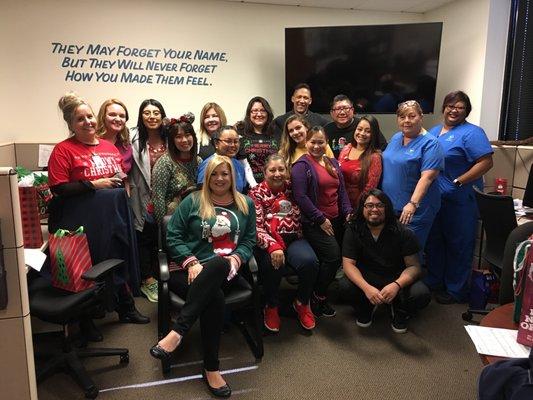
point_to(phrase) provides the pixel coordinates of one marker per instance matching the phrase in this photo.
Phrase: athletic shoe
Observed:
(305, 315)
(398, 320)
(364, 318)
(150, 291)
(271, 319)
(321, 307)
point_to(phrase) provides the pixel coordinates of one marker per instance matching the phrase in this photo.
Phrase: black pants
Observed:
(147, 245)
(204, 300)
(328, 250)
(410, 299)
(301, 259)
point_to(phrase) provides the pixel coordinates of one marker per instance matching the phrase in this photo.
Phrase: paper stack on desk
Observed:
(496, 342)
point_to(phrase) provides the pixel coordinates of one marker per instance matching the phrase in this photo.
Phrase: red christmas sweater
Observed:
(74, 161)
(277, 215)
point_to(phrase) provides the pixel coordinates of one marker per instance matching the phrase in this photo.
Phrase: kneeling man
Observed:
(380, 259)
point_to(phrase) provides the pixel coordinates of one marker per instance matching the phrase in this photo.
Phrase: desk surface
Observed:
(501, 317)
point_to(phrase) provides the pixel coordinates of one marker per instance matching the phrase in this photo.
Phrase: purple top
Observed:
(305, 190)
(127, 156)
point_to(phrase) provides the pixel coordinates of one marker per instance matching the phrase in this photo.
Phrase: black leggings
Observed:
(147, 245)
(328, 250)
(204, 299)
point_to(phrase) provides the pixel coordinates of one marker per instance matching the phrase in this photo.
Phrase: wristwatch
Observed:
(457, 182)
(414, 203)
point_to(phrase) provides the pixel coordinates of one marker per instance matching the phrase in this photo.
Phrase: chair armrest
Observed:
(97, 272)
(164, 273)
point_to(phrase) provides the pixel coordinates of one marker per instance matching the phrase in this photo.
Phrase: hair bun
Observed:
(68, 99)
(187, 117)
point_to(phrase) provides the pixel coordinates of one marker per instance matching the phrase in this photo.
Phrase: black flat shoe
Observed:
(160, 353)
(223, 391)
(445, 298)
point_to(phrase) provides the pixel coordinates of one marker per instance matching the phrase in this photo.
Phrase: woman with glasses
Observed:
(468, 156)
(257, 135)
(148, 143)
(227, 143)
(360, 160)
(411, 163)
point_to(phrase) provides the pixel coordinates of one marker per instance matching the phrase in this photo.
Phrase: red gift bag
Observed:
(70, 258)
(525, 325)
(29, 213)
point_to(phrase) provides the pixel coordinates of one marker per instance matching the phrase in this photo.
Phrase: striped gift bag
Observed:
(70, 258)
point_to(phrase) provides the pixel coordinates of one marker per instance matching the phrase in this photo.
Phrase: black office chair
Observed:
(64, 308)
(243, 302)
(498, 219)
(506, 294)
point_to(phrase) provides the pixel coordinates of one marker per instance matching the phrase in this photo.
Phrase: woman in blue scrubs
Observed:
(468, 156)
(411, 163)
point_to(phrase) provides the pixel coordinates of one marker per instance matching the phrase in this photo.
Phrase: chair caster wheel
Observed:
(467, 316)
(125, 359)
(91, 393)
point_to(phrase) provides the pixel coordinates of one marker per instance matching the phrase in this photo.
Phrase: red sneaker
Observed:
(272, 321)
(305, 315)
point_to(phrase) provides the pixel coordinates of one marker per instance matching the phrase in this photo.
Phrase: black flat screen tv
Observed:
(377, 66)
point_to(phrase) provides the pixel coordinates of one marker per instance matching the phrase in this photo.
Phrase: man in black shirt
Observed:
(380, 259)
(341, 130)
(301, 100)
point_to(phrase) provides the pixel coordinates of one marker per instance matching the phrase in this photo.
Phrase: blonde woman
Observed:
(212, 117)
(209, 236)
(111, 126)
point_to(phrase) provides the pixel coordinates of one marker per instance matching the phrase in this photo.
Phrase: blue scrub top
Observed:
(240, 178)
(403, 165)
(462, 145)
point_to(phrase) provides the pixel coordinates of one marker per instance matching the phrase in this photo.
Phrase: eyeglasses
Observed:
(150, 113)
(339, 109)
(255, 112)
(229, 142)
(449, 107)
(370, 206)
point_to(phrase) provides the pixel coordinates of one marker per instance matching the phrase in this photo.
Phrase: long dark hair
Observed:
(390, 217)
(373, 147)
(171, 131)
(143, 132)
(247, 122)
(327, 162)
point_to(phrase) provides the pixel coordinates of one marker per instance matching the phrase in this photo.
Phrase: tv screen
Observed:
(376, 66)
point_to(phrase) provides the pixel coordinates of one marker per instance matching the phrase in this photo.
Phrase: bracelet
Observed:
(397, 284)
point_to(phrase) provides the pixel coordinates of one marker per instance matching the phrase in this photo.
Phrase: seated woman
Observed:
(257, 135)
(227, 143)
(280, 242)
(360, 160)
(319, 191)
(111, 126)
(292, 145)
(84, 163)
(209, 236)
(174, 174)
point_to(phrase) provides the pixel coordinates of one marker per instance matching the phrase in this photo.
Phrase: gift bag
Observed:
(519, 261)
(70, 258)
(29, 213)
(525, 324)
(44, 196)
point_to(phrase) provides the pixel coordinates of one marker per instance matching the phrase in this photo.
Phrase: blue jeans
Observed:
(299, 257)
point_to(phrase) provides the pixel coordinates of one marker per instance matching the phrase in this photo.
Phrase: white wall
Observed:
(472, 57)
(32, 79)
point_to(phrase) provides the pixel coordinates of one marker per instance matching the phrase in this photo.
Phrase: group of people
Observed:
(300, 193)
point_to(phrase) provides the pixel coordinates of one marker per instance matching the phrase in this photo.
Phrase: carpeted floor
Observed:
(434, 360)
